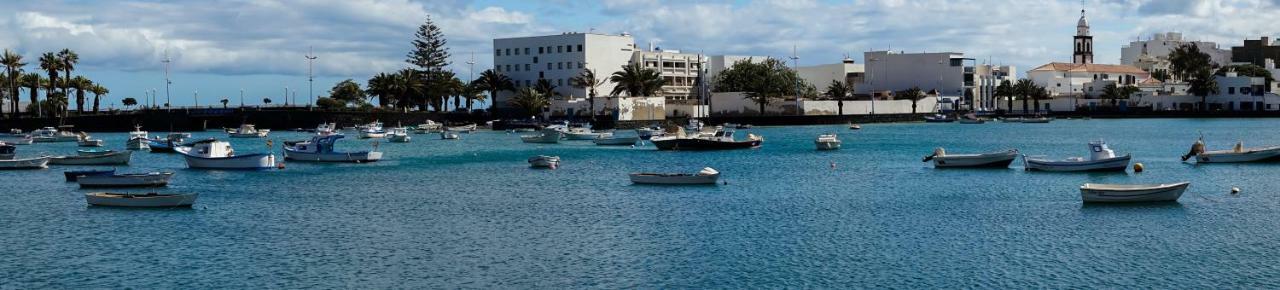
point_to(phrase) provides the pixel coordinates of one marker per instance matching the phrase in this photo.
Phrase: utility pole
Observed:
(241, 98)
(286, 96)
(167, 82)
(471, 77)
(795, 65)
(310, 77)
(197, 98)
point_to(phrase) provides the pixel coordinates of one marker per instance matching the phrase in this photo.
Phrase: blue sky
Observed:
(219, 47)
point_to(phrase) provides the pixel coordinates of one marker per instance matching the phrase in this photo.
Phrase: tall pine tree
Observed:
(429, 54)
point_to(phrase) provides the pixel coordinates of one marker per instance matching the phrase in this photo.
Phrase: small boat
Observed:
(716, 139)
(1093, 192)
(137, 139)
(428, 127)
(372, 130)
(448, 135)
(215, 154)
(152, 179)
(167, 144)
(608, 139)
(1236, 154)
(827, 141)
(26, 163)
(544, 161)
(1000, 159)
(17, 140)
(141, 199)
(463, 129)
(1011, 120)
(73, 175)
(1036, 120)
(971, 119)
(938, 118)
(51, 134)
(705, 176)
(86, 141)
(325, 129)
(743, 126)
(579, 133)
(113, 158)
(398, 135)
(547, 136)
(320, 149)
(855, 127)
(7, 151)
(94, 152)
(248, 131)
(649, 132)
(1101, 158)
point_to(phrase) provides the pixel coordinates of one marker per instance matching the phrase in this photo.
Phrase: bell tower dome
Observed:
(1083, 51)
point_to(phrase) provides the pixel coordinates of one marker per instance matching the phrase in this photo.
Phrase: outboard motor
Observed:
(1196, 149)
(936, 152)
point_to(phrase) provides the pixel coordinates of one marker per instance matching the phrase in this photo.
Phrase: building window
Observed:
(579, 48)
(526, 51)
(1231, 90)
(559, 65)
(560, 82)
(507, 51)
(580, 65)
(540, 75)
(497, 68)
(549, 65)
(526, 67)
(526, 82)
(517, 51)
(535, 59)
(540, 50)
(559, 49)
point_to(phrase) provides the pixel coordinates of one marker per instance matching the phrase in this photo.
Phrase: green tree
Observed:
(1161, 75)
(224, 102)
(494, 82)
(839, 91)
(430, 54)
(129, 102)
(328, 103)
(380, 87)
(1202, 84)
(761, 82)
(13, 64)
(1023, 89)
(69, 60)
(587, 80)
(98, 91)
(531, 101)
(1115, 93)
(472, 92)
(348, 92)
(407, 85)
(635, 81)
(50, 63)
(914, 94)
(1006, 90)
(33, 81)
(546, 88)
(1187, 60)
(1036, 94)
(80, 84)
(265, 101)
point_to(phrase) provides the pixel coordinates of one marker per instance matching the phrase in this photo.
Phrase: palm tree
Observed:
(33, 82)
(472, 92)
(407, 84)
(1023, 89)
(587, 80)
(546, 88)
(636, 81)
(531, 100)
(494, 82)
(224, 103)
(99, 90)
(1036, 94)
(80, 84)
(13, 65)
(1202, 84)
(69, 59)
(380, 87)
(1115, 93)
(839, 91)
(49, 62)
(1005, 90)
(914, 94)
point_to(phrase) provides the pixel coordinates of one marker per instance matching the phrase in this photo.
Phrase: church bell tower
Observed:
(1084, 43)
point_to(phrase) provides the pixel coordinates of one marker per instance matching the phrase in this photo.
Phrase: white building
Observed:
(943, 72)
(1153, 54)
(821, 76)
(986, 78)
(719, 63)
(1088, 79)
(558, 58)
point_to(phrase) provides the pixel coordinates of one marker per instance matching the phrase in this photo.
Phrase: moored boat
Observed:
(151, 179)
(716, 139)
(1036, 120)
(113, 158)
(428, 127)
(372, 130)
(51, 134)
(448, 135)
(1236, 154)
(1000, 159)
(137, 139)
(398, 135)
(971, 119)
(546, 136)
(141, 199)
(214, 154)
(94, 152)
(608, 139)
(321, 149)
(25, 163)
(649, 132)
(7, 151)
(544, 161)
(73, 175)
(248, 131)
(580, 133)
(855, 127)
(938, 118)
(1093, 192)
(86, 141)
(468, 128)
(827, 141)
(1101, 158)
(17, 140)
(705, 176)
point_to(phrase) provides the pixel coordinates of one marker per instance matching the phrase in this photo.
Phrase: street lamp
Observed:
(310, 78)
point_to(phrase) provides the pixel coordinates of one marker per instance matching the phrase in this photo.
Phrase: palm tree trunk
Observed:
(35, 99)
(1024, 105)
(95, 103)
(840, 107)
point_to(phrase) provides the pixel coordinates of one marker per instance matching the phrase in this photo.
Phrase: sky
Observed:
(220, 48)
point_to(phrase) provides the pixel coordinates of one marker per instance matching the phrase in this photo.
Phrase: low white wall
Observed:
(865, 107)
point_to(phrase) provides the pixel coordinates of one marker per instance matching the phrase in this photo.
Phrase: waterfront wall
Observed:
(202, 119)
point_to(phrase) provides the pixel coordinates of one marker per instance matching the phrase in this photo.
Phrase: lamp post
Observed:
(471, 76)
(196, 97)
(310, 77)
(167, 82)
(241, 98)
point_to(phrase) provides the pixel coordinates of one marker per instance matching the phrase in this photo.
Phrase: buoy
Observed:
(1235, 190)
(833, 165)
(280, 165)
(1137, 167)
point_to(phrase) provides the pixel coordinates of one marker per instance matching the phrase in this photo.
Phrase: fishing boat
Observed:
(325, 129)
(86, 141)
(372, 130)
(468, 128)
(73, 175)
(151, 179)
(166, 144)
(580, 133)
(971, 119)
(544, 161)
(1011, 120)
(428, 127)
(321, 149)
(608, 139)
(938, 118)
(215, 154)
(137, 139)
(17, 140)
(25, 163)
(7, 151)
(1000, 159)
(51, 134)
(649, 132)
(546, 136)
(448, 135)
(1036, 120)
(398, 135)
(705, 176)
(1236, 154)
(113, 158)
(715, 139)
(855, 127)
(827, 141)
(150, 199)
(1101, 158)
(94, 152)
(248, 131)
(1093, 192)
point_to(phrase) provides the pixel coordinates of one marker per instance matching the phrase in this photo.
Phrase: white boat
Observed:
(464, 128)
(827, 141)
(1093, 192)
(428, 127)
(1000, 159)
(938, 118)
(25, 163)
(547, 136)
(326, 129)
(855, 127)
(1236, 154)
(320, 149)
(544, 161)
(448, 135)
(372, 130)
(94, 152)
(1011, 120)
(152, 179)
(113, 158)
(972, 121)
(608, 139)
(705, 176)
(650, 132)
(17, 140)
(580, 133)
(1101, 158)
(51, 134)
(138, 140)
(398, 135)
(7, 151)
(248, 131)
(141, 199)
(216, 154)
(86, 141)
(1036, 120)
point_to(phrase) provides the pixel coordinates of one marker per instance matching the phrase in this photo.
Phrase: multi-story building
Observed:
(943, 72)
(821, 76)
(1256, 51)
(1153, 53)
(986, 78)
(1068, 79)
(559, 58)
(679, 72)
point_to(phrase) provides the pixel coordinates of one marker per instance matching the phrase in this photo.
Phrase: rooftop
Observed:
(1102, 68)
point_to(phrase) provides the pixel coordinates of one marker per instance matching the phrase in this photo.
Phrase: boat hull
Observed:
(1258, 155)
(674, 179)
(17, 140)
(544, 162)
(137, 144)
(1111, 164)
(617, 141)
(399, 138)
(1092, 193)
(156, 200)
(72, 176)
(333, 157)
(125, 180)
(827, 145)
(113, 158)
(581, 136)
(29, 163)
(990, 160)
(541, 139)
(251, 161)
(701, 144)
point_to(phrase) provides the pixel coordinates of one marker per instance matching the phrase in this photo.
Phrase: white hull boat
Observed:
(1039, 120)
(1101, 158)
(827, 142)
(28, 163)
(248, 131)
(544, 161)
(137, 144)
(50, 134)
(86, 141)
(19, 140)
(399, 135)
(463, 129)
(94, 152)
(213, 154)
(1000, 159)
(647, 133)
(320, 149)
(113, 158)
(610, 140)
(7, 151)
(449, 135)
(153, 179)
(141, 199)
(706, 176)
(547, 136)
(1092, 192)
(1237, 154)
(581, 134)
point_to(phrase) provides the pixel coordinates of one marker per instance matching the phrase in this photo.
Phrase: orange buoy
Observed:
(1137, 167)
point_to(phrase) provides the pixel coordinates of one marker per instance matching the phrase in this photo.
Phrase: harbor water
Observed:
(471, 213)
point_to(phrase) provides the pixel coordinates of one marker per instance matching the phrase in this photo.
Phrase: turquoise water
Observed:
(470, 213)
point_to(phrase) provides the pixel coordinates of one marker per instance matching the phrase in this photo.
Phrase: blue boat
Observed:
(320, 149)
(73, 175)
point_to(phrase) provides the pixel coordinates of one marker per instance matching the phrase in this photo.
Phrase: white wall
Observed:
(601, 53)
(887, 70)
(1160, 44)
(640, 108)
(820, 76)
(826, 107)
